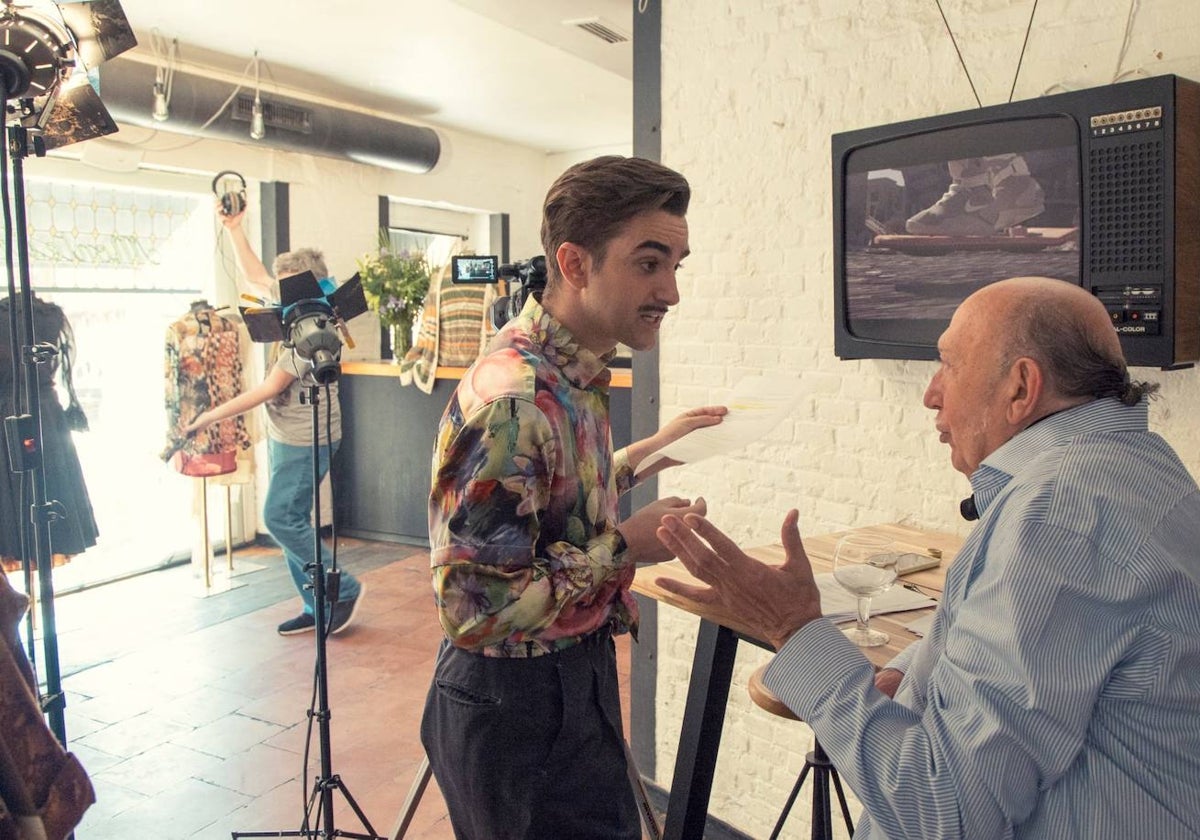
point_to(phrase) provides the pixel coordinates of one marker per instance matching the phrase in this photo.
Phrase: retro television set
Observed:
(1097, 187)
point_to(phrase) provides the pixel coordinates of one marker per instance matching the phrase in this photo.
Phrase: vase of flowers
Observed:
(395, 284)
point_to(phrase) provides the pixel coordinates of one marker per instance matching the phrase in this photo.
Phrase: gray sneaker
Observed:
(960, 212)
(978, 211)
(345, 611)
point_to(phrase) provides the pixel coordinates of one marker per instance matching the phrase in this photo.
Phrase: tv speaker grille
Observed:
(1127, 215)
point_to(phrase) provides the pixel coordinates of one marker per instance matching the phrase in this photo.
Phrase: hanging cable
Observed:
(1024, 44)
(957, 50)
(1134, 5)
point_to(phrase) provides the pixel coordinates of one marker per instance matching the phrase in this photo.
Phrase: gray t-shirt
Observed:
(288, 419)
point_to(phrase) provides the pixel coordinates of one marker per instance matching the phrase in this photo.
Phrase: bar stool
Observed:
(817, 761)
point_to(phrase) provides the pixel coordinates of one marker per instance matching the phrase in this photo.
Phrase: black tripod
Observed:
(823, 771)
(24, 435)
(319, 808)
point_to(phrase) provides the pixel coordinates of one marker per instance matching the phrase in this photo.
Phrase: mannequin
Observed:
(203, 369)
(77, 531)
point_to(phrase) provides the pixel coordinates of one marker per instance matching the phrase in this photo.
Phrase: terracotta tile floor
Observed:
(190, 713)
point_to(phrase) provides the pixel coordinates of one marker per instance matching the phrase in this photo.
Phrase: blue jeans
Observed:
(288, 514)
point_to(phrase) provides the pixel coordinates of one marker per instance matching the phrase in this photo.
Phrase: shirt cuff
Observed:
(817, 658)
(620, 546)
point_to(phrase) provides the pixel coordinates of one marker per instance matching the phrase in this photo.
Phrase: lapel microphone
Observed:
(967, 508)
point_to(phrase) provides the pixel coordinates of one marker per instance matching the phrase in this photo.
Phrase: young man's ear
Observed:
(574, 264)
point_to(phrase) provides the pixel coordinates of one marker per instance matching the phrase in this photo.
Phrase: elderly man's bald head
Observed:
(1061, 326)
(1017, 351)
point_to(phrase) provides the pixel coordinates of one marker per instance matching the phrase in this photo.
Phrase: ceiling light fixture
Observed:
(164, 75)
(258, 128)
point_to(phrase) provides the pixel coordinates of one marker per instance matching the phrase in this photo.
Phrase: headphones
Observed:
(233, 200)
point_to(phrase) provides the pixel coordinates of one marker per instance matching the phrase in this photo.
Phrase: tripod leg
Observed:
(841, 795)
(414, 798)
(822, 825)
(791, 800)
(336, 782)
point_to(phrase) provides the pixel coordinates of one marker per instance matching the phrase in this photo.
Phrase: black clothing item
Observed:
(76, 531)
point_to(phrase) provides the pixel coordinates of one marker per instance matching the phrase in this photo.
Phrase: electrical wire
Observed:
(961, 61)
(1024, 44)
(220, 110)
(1134, 6)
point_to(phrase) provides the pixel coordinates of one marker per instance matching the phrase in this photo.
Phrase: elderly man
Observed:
(1057, 694)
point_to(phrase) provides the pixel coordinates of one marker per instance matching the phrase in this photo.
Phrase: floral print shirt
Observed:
(523, 507)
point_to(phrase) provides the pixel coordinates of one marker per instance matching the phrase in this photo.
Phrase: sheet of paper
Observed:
(840, 606)
(921, 626)
(756, 405)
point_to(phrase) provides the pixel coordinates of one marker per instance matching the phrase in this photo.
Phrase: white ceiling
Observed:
(508, 69)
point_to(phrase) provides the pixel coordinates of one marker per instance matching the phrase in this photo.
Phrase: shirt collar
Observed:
(1103, 415)
(581, 367)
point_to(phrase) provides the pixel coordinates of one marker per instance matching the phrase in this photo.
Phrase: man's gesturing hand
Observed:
(774, 601)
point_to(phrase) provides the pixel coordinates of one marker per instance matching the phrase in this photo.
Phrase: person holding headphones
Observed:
(288, 507)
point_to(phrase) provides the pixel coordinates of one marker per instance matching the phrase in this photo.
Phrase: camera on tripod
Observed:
(522, 279)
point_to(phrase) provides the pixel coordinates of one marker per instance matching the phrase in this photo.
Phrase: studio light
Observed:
(161, 112)
(258, 128)
(46, 57)
(164, 74)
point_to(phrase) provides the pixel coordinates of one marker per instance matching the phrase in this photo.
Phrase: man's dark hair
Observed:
(1072, 356)
(591, 201)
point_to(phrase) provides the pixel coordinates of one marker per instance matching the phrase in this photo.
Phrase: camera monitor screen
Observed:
(931, 217)
(474, 269)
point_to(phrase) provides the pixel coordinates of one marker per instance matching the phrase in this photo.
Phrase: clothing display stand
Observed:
(213, 584)
(318, 814)
(217, 580)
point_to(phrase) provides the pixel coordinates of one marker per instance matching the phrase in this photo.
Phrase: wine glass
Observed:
(864, 565)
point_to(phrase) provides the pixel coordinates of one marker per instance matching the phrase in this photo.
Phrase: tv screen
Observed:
(930, 217)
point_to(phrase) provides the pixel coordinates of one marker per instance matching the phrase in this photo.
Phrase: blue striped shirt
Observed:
(1057, 694)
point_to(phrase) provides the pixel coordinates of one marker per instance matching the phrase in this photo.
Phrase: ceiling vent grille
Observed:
(275, 114)
(598, 28)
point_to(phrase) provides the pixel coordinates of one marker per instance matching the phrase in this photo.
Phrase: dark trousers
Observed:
(531, 748)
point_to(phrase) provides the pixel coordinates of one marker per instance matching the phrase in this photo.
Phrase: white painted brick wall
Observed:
(752, 92)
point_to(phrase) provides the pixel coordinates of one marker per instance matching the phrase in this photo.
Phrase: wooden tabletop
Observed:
(820, 553)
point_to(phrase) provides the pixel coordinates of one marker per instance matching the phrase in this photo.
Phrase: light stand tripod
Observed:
(325, 784)
(24, 435)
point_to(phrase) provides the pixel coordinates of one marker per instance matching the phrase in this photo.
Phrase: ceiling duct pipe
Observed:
(127, 88)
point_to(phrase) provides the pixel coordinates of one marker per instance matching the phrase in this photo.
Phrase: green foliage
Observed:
(394, 283)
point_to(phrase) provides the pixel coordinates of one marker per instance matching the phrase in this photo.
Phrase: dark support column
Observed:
(385, 222)
(276, 221)
(498, 235)
(647, 143)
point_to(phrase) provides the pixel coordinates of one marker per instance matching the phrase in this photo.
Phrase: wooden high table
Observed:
(716, 648)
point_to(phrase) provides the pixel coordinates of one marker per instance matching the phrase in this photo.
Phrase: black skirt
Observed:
(70, 534)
